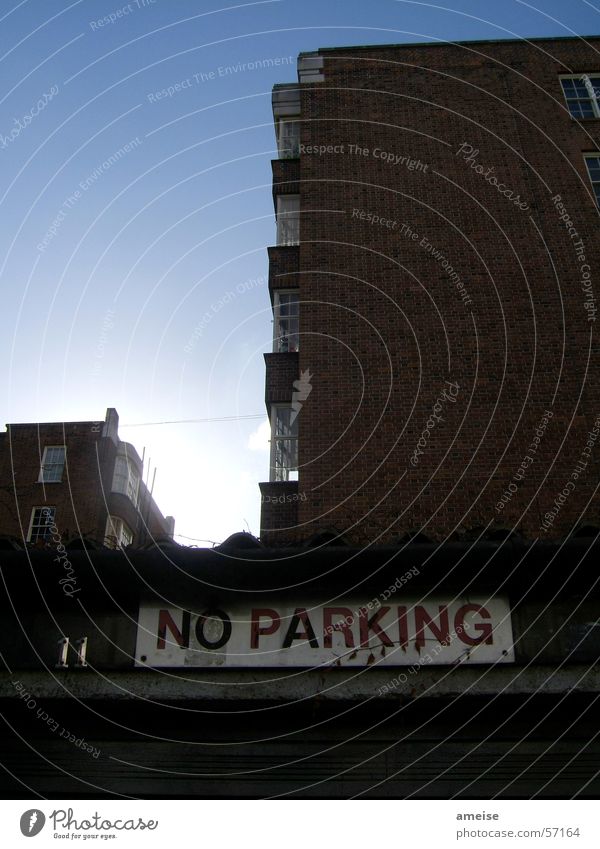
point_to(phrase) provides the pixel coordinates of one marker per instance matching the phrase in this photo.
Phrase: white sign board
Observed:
(435, 631)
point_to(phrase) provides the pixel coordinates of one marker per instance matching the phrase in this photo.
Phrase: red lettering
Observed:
(256, 631)
(484, 628)
(422, 619)
(372, 624)
(343, 626)
(165, 620)
(403, 627)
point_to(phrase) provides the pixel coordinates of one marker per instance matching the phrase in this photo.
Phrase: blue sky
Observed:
(133, 252)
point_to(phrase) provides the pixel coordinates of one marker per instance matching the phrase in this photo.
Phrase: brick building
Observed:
(433, 293)
(76, 480)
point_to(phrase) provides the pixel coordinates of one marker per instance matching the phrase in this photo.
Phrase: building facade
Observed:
(75, 483)
(433, 293)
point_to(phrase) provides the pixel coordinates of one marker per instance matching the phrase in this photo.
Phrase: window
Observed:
(288, 219)
(288, 138)
(581, 93)
(117, 534)
(126, 479)
(593, 167)
(53, 464)
(284, 444)
(285, 327)
(42, 519)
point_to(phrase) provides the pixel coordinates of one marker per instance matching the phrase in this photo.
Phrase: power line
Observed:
(195, 539)
(197, 421)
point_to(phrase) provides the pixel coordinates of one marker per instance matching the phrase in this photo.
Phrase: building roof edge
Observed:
(441, 43)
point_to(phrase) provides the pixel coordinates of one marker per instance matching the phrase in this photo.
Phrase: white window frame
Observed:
(593, 94)
(280, 345)
(49, 521)
(280, 471)
(132, 486)
(288, 219)
(46, 465)
(117, 531)
(284, 151)
(594, 183)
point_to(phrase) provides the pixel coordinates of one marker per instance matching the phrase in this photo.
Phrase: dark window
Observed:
(581, 93)
(593, 167)
(53, 464)
(42, 519)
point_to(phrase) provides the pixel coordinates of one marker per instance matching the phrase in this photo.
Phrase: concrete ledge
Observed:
(284, 685)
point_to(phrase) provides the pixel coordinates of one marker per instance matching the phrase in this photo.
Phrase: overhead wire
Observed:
(197, 421)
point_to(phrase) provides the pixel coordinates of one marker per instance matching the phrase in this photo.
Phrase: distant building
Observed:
(75, 481)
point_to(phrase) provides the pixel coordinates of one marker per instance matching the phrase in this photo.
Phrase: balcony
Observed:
(286, 177)
(284, 265)
(279, 512)
(281, 372)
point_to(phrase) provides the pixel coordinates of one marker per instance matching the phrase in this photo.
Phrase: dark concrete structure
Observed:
(110, 728)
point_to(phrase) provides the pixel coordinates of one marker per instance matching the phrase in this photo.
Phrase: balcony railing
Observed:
(285, 459)
(288, 229)
(288, 139)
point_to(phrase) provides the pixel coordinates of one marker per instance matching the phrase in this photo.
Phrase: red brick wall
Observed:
(78, 498)
(283, 267)
(279, 512)
(282, 371)
(286, 177)
(383, 326)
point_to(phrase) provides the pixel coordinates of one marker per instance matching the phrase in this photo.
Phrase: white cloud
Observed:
(259, 440)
